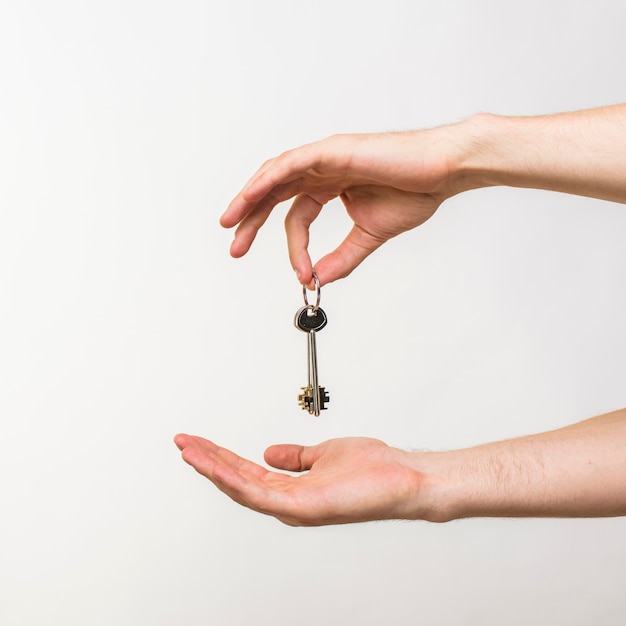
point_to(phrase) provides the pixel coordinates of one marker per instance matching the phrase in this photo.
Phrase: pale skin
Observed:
(391, 183)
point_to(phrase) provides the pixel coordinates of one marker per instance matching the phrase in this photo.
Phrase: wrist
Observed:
(439, 493)
(579, 153)
(466, 149)
(483, 481)
(480, 152)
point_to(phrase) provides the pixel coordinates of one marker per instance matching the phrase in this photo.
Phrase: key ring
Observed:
(318, 294)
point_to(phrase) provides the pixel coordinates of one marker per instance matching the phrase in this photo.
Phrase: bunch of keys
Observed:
(311, 319)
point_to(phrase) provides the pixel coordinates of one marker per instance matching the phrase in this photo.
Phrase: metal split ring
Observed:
(317, 294)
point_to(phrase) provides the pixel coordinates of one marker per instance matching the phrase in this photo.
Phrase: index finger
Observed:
(278, 171)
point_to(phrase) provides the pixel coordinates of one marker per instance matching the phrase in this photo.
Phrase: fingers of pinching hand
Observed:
(244, 202)
(252, 216)
(283, 169)
(270, 181)
(303, 212)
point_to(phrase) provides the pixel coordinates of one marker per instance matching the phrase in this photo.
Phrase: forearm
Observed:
(582, 153)
(577, 471)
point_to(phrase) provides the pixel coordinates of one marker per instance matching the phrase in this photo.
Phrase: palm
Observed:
(385, 212)
(349, 480)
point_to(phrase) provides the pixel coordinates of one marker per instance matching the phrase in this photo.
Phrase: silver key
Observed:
(311, 319)
(313, 396)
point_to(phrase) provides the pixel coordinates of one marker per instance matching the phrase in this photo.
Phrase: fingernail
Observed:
(298, 276)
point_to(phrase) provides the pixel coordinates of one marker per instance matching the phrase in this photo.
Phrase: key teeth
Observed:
(324, 398)
(305, 399)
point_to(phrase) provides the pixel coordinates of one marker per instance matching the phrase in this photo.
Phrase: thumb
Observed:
(292, 457)
(350, 253)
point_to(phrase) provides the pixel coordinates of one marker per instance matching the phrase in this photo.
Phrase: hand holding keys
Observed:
(311, 319)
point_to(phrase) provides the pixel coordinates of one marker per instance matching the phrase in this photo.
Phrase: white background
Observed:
(125, 129)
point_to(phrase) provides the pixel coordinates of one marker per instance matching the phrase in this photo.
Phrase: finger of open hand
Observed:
(266, 493)
(283, 501)
(204, 456)
(292, 457)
